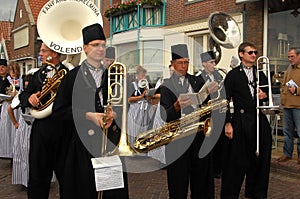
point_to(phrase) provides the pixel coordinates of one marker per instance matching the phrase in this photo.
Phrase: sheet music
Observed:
(108, 173)
(200, 97)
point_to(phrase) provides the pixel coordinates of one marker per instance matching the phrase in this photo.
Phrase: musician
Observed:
(110, 57)
(4, 83)
(3, 76)
(184, 168)
(212, 75)
(80, 105)
(47, 144)
(7, 129)
(240, 130)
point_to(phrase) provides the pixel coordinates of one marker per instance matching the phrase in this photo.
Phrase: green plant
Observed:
(151, 2)
(128, 5)
(121, 7)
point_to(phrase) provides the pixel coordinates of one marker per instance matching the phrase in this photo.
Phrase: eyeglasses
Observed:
(44, 50)
(211, 62)
(98, 45)
(291, 57)
(251, 52)
(182, 62)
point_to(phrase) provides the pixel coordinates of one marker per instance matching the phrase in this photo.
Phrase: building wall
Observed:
(183, 11)
(29, 50)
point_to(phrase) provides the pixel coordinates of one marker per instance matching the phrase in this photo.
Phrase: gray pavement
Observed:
(284, 183)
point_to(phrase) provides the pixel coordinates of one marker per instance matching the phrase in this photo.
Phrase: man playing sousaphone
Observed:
(47, 146)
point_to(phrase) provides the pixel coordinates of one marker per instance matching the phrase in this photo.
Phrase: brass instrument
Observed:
(177, 129)
(66, 38)
(263, 65)
(143, 83)
(117, 96)
(49, 89)
(224, 31)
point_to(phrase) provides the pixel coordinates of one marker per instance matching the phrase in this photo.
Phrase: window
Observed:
(198, 49)
(128, 55)
(283, 33)
(97, 3)
(153, 59)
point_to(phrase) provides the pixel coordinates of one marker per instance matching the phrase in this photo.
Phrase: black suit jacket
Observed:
(46, 126)
(170, 93)
(77, 95)
(4, 83)
(244, 117)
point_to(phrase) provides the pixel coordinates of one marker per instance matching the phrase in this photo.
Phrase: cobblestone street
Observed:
(284, 181)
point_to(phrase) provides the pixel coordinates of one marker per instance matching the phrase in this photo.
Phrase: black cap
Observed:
(179, 51)
(206, 56)
(92, 32)
(3, 62)
(110, 53)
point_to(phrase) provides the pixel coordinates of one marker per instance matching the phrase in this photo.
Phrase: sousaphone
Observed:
(60, 25)
(224, 31)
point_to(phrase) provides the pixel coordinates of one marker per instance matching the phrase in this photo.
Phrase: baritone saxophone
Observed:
(177, 129)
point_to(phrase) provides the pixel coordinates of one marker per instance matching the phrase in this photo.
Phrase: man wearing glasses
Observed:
(240, 130)
(80, 105)
(185, 169)
(212, 75)
(46, 152)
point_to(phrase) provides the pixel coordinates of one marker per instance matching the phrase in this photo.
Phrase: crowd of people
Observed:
(60, 144)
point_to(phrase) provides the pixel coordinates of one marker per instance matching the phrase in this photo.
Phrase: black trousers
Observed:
(189, 170)
(79, 178)
(47, 154)
(242, 161)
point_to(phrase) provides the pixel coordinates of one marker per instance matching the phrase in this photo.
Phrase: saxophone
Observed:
(177, 129)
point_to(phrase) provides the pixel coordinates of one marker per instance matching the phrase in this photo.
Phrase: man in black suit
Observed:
(80, 105)
(3, 76)
(184, 166)
(240, 130)
(47, 143)
(211, 74)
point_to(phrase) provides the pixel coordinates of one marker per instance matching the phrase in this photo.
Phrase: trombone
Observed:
(263, 61)
(117, 96)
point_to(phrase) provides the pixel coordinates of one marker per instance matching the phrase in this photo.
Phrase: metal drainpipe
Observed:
(110, 25)
(138, 34)
(244, 22)
(265, 29)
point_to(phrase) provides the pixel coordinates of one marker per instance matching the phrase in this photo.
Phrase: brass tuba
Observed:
(66, 19)
(224, 31)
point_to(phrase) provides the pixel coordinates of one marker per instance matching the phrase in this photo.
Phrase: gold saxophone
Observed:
(185, 126)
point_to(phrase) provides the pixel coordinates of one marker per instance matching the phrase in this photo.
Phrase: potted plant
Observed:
(151, 3)
(118, 9)
(129, 6)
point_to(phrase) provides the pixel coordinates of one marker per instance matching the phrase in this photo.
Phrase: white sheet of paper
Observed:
(292, 83)
(108, 173)
(200, 97)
